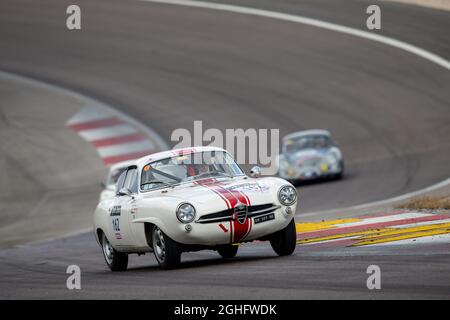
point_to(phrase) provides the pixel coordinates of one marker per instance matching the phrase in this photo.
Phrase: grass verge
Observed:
(430, 203)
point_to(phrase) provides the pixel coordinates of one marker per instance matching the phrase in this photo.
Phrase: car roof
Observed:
(122, 164)
(304, 133)
(171, 153)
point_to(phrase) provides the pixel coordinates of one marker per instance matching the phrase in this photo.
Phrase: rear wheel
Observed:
(284, 241)
(228, 251)
(116, 261)
(167, 252)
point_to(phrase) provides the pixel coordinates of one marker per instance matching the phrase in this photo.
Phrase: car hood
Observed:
(224, 191)
(306, 154)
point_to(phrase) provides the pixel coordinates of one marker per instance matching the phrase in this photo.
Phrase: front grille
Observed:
(227, 215)
(312, 162)
(240, 212)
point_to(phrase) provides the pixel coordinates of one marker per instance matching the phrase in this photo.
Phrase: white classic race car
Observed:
(310, 155)
(192, 199)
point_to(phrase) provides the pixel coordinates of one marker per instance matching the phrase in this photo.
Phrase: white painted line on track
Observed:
(315, 23)
(88, 114)
(397, 217)
(111, 132)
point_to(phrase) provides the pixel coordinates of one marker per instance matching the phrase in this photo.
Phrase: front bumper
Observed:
(227, 231)
(320, 171)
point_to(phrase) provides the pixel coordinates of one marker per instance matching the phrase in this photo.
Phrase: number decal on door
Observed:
(115, 224)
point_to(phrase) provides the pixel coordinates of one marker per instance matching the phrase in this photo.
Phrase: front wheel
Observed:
(339, 175)
(167, 252)
(284, 241)
(116, 261)
(228, 251)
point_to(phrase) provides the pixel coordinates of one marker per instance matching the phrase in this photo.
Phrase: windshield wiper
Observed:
(212, 173)
(156, 182)
(222, 173)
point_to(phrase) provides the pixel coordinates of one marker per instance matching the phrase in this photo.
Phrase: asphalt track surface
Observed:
(170, 65)
(38, 272)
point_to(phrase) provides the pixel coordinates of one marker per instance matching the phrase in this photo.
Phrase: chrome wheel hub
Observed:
(158, 245)
(108, 250)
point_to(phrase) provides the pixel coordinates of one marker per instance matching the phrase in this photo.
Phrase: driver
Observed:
(196, 169)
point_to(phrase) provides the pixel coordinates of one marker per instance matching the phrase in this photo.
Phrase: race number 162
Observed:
(115, 224)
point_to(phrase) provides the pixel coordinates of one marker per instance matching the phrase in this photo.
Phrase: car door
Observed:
(120, 211)
(137, 230)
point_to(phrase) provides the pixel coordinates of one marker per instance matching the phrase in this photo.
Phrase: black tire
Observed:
(116, 261)
(167, 252)
(340, 175)
(228, 251)
(284, 241)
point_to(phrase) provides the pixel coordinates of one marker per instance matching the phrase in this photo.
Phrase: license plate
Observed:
(265, 218)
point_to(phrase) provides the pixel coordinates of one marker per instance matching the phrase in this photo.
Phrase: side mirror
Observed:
(255, 172)
(124, 192)
(103, 185)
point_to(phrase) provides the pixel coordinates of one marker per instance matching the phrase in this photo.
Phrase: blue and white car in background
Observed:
(310, 155)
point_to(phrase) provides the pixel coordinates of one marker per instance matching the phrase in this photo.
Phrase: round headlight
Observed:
(186, 212)
(332, 158)
(287, 195)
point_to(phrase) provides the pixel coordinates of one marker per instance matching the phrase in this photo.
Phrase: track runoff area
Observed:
(397, 227)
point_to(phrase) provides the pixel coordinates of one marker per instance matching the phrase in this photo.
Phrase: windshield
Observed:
(190, 167)
(307, 142)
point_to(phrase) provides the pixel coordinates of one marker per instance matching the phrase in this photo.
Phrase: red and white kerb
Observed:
(114, 138)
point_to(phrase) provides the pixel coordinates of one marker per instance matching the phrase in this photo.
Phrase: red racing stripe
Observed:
(211, 185)
(184, 152)
(118, 140)
(247, 225)
(245, 198)
(238, 231)
(227, 194)
(223, 227)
